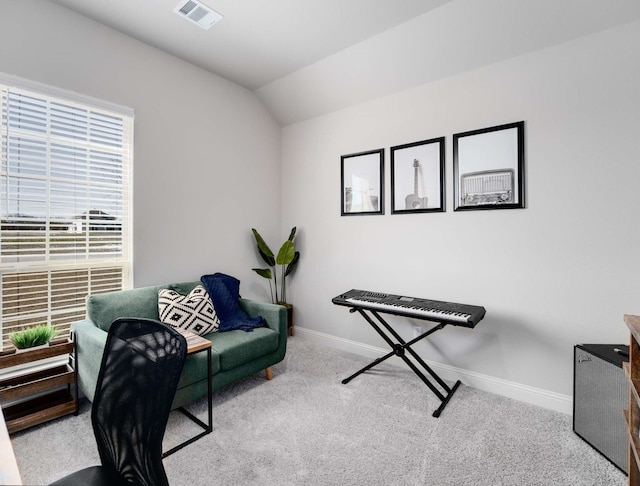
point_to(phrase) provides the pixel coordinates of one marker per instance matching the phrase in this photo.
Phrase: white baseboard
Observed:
(535, 396)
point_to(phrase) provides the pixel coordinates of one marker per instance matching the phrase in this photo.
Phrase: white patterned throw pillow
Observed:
(193, 312)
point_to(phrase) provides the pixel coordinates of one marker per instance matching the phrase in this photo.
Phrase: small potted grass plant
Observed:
(30, 337)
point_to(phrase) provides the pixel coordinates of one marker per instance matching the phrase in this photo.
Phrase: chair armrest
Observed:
(90, 341)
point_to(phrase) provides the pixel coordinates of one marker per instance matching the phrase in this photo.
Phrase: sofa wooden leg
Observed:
(269, 374)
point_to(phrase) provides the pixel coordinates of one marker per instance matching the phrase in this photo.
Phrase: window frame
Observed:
(116, 268)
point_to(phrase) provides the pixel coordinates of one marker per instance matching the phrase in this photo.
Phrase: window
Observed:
(65, 203)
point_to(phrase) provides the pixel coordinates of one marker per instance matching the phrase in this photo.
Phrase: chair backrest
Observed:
(141, 365)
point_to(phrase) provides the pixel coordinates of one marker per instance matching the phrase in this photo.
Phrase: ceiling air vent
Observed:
(198, 13)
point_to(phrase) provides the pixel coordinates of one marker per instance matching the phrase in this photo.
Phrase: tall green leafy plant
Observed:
(284, 263)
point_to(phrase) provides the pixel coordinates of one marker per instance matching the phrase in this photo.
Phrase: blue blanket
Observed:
(224, 291)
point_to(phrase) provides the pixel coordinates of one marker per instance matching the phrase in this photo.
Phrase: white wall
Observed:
(560, 272)
(206, 165)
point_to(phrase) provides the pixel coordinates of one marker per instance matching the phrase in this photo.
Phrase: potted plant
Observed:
(287, 260)
(30, 337)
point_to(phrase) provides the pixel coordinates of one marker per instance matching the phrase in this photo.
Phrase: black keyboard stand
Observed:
(399, 347)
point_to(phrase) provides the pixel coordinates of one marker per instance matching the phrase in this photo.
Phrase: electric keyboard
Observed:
(432, 310)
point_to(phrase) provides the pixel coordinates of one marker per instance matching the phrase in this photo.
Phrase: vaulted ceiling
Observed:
(304, 58)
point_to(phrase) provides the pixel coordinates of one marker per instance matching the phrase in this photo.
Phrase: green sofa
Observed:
(235, 354)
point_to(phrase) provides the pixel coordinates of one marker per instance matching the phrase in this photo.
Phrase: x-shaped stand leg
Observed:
(399, 348)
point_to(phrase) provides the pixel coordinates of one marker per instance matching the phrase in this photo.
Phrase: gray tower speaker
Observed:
(599, 397)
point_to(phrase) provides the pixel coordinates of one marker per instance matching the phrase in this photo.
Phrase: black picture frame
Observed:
(417, 177)
(488, 168)
(362, 183)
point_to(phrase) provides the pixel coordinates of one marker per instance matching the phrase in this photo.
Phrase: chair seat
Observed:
(92, 476)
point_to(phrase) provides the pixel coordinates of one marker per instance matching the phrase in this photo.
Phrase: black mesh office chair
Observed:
(137, 382)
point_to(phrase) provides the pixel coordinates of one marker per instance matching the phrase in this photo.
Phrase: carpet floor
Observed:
(306, 428)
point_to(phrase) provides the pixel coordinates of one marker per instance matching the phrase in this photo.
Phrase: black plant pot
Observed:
(290, 324)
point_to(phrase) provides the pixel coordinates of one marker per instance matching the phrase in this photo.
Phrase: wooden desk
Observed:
(9, 473)
(197, 344)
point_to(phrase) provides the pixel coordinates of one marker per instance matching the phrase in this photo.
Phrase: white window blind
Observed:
(65, 204)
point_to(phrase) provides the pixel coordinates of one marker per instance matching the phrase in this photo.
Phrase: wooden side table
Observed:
(197, 344)
(51, 391)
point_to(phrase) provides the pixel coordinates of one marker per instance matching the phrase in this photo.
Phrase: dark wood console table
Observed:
(40, 393)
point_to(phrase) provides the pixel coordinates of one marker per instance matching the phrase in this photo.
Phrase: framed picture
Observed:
(488, 168)
(417, 177)
(362, 183)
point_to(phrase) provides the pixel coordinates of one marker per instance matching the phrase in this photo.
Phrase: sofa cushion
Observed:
(183, 287)
(195, 367)
(103, 309)
(238, 347)
(193, 312)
